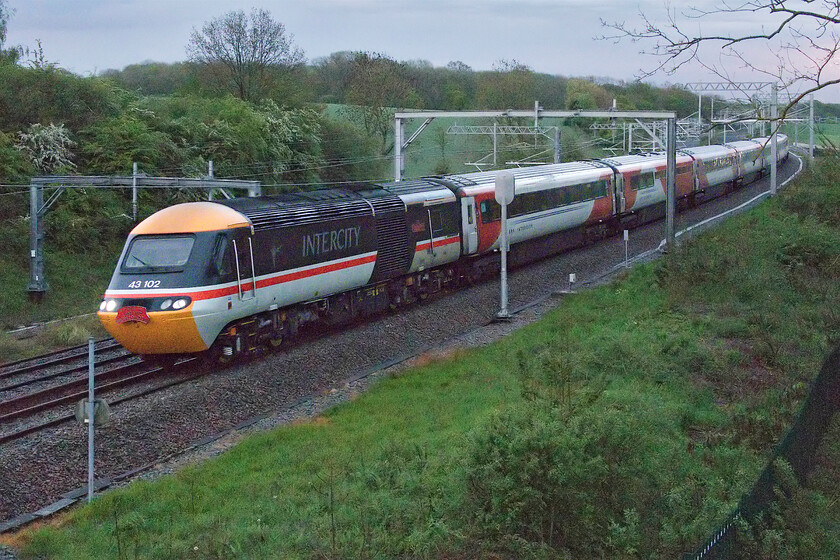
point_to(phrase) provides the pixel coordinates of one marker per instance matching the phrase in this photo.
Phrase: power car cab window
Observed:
(158, 254)
(223, 258)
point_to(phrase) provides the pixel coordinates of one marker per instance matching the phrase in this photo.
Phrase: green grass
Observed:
(828, 132)
(76, 284)
(627, 423)
(51, 336)
(824, 134)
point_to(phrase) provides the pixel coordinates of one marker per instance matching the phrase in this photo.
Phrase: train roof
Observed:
(651, 159)
(766, 140)
(348, 201)
(715, 150)
(190, 217)
(268, 212)
(416, 191)
(534, 172)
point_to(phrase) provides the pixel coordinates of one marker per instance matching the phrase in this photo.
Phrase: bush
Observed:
(14, 167)
(50, 94)
(349, 154)
(595, 483)
(818, 195)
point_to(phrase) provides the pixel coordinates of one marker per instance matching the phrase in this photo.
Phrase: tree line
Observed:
(247, 98)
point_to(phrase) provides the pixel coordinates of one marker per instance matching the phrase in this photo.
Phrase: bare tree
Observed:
(244, 51)
(376, 85)
(793, 43)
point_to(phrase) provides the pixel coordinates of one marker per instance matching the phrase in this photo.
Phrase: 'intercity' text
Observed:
(328, 241)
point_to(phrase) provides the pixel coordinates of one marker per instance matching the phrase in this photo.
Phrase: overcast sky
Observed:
(551, 36)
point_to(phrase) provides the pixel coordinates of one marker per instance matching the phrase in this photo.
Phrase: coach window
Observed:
(565, 197)
(490, 211)
(517, 206)
(643, 180)
(436, 216)
(555, 198)
(602, 188)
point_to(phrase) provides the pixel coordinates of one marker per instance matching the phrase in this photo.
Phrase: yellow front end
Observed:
(167, 332)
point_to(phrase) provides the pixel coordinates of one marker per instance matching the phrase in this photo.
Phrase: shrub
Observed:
(591, 484)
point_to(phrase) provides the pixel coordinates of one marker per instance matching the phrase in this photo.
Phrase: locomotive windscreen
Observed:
(157, 253)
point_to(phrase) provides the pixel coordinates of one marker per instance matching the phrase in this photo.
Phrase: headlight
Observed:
(102, 305)
(111, 305)
(167, 303)
(180, 303)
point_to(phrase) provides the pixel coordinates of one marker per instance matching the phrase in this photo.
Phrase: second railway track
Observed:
(25, 412)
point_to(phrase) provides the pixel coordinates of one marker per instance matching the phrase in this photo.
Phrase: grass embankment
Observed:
(625, 424)
(85, 232)
(76, 284)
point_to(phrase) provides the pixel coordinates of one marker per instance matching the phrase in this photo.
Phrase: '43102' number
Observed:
(146, 284)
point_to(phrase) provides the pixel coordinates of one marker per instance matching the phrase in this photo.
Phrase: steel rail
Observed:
(75, 369)
(67, 417)
(14, 408)
(78, 352)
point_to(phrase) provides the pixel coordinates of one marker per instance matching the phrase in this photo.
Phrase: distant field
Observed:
(823, 133)
(435, 151)
(830, 132)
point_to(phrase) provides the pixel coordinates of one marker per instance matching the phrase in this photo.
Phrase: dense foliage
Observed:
(349, 77)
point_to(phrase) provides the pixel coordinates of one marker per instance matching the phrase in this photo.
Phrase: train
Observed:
(225, 278)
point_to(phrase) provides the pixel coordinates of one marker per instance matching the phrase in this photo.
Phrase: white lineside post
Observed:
(134, 190)
(505, 191)
(711, 119)
(774, 115)
(90, 409)
(626, 249)
(699, 109)
(671, 188)
(495, 145)
(557, 144)
(210, 176)
(399, 131)
(811, 132)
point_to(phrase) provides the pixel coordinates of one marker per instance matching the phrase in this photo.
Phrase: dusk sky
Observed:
(551, 36)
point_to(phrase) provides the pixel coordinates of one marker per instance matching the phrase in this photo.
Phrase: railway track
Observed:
(57, 358)
(27, 407)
